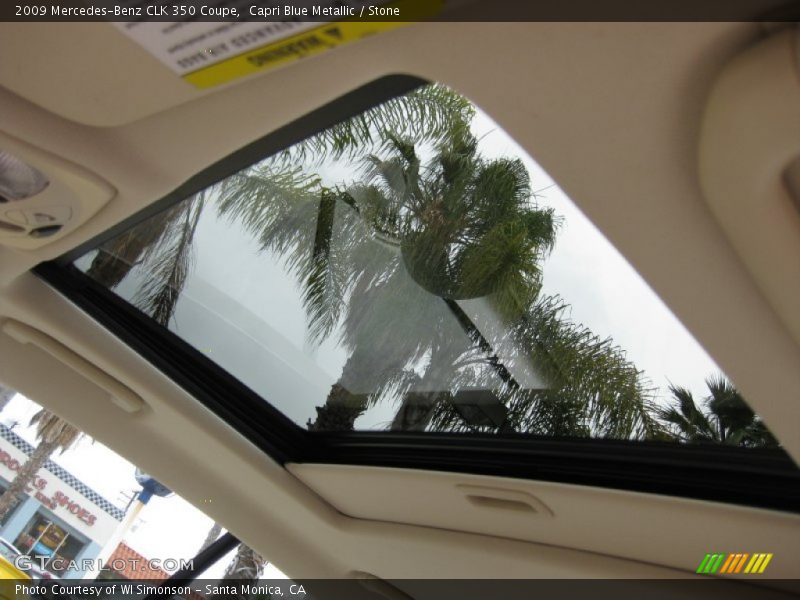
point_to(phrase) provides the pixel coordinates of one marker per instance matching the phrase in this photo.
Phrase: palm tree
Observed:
(53, 433)
(592, 389)
(414, 239)
(726, 419)
(246, 566)
(117, 257)
(430, 113)
(458, 227)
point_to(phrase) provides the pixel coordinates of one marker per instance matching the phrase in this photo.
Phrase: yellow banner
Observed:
(327, 36)
(308, 43)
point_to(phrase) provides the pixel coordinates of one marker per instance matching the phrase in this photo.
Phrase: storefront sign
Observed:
(13, 464)
(57, 500)
(60, 499)
(59, 496)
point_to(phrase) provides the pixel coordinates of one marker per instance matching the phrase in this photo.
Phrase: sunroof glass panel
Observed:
(412, 269)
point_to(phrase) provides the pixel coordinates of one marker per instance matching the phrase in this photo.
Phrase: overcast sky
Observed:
(604, 292)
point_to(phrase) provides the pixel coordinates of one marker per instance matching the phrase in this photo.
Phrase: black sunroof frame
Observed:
(757, 477)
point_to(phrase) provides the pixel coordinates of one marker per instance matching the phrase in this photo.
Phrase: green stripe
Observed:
(702, 566)
(718, 563)
(710, 563)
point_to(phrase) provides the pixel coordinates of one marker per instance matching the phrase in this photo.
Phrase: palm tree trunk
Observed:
(212, 536)
(342, 408)
(26, 474)
(247, 565)
(340, 411)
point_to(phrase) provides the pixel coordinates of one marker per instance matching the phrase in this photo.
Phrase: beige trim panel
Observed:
(119, 394)
(674, 532)
(749, 138)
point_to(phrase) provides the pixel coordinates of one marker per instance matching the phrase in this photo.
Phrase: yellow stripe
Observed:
(765, 563)
(753, 561)
(307, 43)
(728, 562)
(301, 45)
(741, 562)
(759, 559)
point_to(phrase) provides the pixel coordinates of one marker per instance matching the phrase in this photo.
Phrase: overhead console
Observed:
(43, 197)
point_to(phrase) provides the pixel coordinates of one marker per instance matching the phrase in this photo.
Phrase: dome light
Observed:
(19, 180)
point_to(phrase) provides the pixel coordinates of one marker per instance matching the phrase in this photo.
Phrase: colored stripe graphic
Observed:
(729, 562)
(723, 563)
(741, 562)
(758, 563)
(754, 563)
(717, 563)
(711, 563)
(764, 564)
(703, 564)
(734, 561)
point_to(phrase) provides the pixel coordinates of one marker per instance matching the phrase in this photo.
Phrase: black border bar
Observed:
(409, 10)
(368, 587)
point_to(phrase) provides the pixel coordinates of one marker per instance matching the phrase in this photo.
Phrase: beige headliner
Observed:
(612, 111)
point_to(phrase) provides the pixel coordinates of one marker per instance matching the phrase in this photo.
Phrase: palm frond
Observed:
(116, 257)
(727, 418)
(168, 263)
(728, 406)
(430, 113)
(53, 429)
(580, 367)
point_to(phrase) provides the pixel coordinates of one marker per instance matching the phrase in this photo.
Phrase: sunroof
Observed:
(411, 269)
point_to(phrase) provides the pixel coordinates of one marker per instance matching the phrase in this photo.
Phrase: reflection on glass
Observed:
(391, 273)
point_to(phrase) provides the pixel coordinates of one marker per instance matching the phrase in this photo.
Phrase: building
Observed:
(126, 563)
(62, 517)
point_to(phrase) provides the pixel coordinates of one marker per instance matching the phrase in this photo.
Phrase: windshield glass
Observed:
(413, 269)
